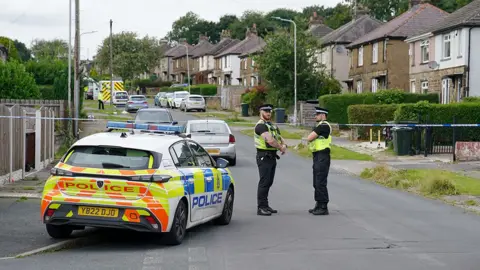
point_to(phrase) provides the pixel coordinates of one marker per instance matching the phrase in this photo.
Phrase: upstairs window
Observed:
(360, 56)
(446, 46)
(375, 52)
(425, 57)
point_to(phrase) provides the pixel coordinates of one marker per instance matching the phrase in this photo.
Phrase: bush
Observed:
(338, 104)
(151, 83)
(464, 113)
(197, 89)
(16, 82)
(254, 97)
(370, 114)
(471, 99)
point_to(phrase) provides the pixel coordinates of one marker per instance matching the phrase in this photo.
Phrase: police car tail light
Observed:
(231, 139)
(152, 222)
(49, 214)
(160, 178)
(60, 172)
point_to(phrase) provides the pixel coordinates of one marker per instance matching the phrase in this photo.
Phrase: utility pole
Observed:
(70, 59)
(76, 92)
(111, 64)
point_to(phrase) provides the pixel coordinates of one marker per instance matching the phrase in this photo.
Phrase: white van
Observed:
(120, 98)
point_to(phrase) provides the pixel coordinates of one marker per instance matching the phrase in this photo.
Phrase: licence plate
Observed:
(97, 211)
(213, 151)
(196, 103)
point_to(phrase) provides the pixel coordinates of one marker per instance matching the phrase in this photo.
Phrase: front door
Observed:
(445, 91)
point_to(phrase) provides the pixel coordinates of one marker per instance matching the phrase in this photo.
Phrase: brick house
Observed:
(441, 57)
(201, 65)
(249, 75)
(226, 42)
(334, 56)
(3, 53)
(379, 59)
(230, 61)
(180, 62)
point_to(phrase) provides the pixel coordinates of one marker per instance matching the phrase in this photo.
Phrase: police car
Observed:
(149, 178)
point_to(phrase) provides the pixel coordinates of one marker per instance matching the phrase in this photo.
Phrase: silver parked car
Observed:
(193, 102)
(136, 102)
(215, 136)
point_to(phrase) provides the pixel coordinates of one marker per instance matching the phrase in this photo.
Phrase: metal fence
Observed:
(27, 141)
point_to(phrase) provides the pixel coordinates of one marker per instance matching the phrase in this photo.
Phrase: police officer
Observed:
(319, 144)
(101, 105)
(267, 141)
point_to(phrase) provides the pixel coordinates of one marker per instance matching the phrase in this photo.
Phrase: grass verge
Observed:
(430, 183)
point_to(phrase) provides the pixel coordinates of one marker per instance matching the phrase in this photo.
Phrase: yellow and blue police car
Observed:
(150, 179)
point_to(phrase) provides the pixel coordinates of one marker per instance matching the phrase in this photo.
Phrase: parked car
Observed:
(120, 98)
(215, 136)
(154, 116)
(158, 97)
(193, 102)
(136, 102)
(177, 98)
(166, 101)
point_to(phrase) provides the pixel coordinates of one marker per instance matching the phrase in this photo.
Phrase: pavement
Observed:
(370, 227)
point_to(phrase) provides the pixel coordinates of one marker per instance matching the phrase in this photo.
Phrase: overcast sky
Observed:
(27, 20)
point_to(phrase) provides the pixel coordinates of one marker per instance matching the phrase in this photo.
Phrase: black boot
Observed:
(269, 209)
(263, 212)
(321, 211)
(317, 205)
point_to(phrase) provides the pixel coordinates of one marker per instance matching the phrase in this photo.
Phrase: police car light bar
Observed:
(146, 127)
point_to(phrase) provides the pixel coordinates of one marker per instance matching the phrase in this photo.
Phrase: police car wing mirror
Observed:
(174, 122)
(222, 163)
(160, 178)
(130, 121)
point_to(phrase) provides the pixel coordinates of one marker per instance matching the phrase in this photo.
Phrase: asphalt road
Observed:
(369, 227)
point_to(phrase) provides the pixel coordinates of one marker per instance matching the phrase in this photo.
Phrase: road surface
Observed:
(369, 227)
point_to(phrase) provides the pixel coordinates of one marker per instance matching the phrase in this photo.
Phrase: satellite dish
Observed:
(340, 49)
(433, 64)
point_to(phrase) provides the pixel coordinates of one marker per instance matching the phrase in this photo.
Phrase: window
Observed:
(106, 157)
(252, 81)
(244, 82)
(424, 87)
(460, 43)
(202, 157)
(360, 56)
(359, 86)
(182, 156)
(374, 85)
(206, 127)
(424, 54)
(153, 116)
(384, 50)
(375, 52)
(446, 46)
(412, 86)
(253, 62)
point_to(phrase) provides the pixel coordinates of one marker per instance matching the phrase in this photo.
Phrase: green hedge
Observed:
(197, 89)
(471, 99)
(338, 104)
(370, 114)
(464, 113)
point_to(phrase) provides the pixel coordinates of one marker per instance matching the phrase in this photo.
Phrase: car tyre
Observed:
(59, 231)
(233, 161)
(227, 212)
(179, 225)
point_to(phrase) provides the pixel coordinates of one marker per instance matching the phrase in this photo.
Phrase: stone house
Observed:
(442, 58)
(164, 68)
(334, 56)
(230, 61)
(201, 66)
(379, 59)
(180, 58)
(225, 43)
(317, 27)
(249, 73)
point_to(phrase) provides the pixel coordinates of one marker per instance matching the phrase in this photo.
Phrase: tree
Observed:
(23, 52)
(50, 49)
(12, 50)
(334, 16)
(131, 55)
(190, 27)
(249, 17)
(276, 64)
(16, 82)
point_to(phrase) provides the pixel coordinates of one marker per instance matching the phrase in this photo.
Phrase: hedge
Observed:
(464, 113)
(370, 114)
(471, 99)
(197, 89)
(338, 104)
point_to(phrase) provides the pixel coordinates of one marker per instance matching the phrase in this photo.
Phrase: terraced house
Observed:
(443, 58)
(201, 65)
(333, 55)
(229, 62)
(379, 59)
(180, 62)
(249, 72)
(214, 65)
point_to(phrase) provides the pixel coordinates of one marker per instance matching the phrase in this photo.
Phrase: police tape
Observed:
(349, 125)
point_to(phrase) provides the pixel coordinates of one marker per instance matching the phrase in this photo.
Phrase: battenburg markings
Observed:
(207, 200)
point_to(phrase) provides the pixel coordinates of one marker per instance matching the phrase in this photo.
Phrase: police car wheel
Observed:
(227, 212)
(179, 225)
(59, 232)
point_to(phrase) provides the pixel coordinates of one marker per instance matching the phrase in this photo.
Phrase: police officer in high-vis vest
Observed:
(319, 144)
(101, 105)
(267, 141)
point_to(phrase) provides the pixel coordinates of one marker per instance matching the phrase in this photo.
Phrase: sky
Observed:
(27, 20)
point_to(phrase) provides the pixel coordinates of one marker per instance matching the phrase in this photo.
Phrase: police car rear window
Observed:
(205, 127)
(109, 158)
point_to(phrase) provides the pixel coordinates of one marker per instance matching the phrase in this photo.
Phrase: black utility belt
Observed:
(267, 153)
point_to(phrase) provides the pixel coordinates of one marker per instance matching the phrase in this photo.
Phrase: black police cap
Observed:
(265, 107)
(319, 110)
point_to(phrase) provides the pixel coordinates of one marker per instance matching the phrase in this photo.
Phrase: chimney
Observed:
(315, 20)
(413, 3)
(225, 34)
(253, 31)
(361, 11)
(202, 37)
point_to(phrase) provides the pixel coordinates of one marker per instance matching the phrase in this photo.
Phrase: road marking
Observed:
(153, 260)
(197, 254)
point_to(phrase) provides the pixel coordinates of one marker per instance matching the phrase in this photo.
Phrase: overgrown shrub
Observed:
(16, 82)
(254, 97)
(338, 104)
(370, 114)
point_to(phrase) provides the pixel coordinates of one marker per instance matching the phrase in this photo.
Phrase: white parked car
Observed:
(193, 102)
(177, 98)
(120, 98)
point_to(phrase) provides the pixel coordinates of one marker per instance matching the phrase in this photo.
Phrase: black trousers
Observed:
(321, 167)
(101, 106)
(267, 163)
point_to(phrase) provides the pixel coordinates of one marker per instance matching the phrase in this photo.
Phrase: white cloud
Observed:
(27, 20)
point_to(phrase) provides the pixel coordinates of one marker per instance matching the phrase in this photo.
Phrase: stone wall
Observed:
(467, 151)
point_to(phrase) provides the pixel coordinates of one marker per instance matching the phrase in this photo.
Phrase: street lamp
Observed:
(295, 63)
(188, 67)
(90, 32)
